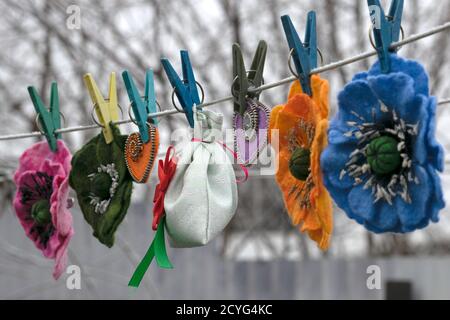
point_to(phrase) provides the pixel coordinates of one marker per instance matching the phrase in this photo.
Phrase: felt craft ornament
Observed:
(251, 117)
(302, 124)
(382, 163)
(42, 200)
(140, 156)
(141, 148)
(202, 197)
(250, 131)
(103, 185)
(157, 249)
(99, 173)
(382, 160)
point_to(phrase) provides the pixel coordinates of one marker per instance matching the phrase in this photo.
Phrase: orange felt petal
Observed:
(320, 89)
(274, 118)
(316, 220)
(320, 198)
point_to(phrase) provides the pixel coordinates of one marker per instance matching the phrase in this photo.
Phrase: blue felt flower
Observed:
(381, 163)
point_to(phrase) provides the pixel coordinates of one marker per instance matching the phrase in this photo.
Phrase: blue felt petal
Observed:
(437, 202)
(332, 161)
(435, 151)
(396, 91)
(385, 218)
(340, 196)
(337, 130)
(414, 215)
(410, 67)
(361, 203)
(357, 97)
(360, 76)
(420, 144)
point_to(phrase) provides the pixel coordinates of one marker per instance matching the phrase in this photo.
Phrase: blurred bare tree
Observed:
(38, 47)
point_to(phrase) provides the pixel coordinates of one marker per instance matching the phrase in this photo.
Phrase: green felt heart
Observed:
(90, 182)
(383, 155)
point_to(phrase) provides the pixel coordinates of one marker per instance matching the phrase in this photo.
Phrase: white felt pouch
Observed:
(202, 196)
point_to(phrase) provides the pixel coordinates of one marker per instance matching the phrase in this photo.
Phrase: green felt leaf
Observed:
(85, 162)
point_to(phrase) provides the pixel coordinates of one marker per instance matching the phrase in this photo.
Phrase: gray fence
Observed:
(201, 273)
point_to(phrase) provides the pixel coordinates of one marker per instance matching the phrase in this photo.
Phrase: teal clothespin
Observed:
(142, 108)
(386, 30)
(50, 118)
(245, 80)
(304, 54)
(186, 89)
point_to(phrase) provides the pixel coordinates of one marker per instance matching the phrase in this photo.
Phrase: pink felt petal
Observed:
(39, 158)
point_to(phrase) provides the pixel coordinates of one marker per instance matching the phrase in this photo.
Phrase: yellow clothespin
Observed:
(106, 109)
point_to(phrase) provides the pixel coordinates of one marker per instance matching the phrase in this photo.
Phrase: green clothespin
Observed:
(246, 80)
(50, 118)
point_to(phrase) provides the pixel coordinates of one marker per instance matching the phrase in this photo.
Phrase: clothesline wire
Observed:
(325, 68)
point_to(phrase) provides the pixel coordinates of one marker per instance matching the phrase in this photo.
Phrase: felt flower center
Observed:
(104, 184)
(383, 158)
(36, 194)
(300, 139)
(40, 212)
(383, 155)
(100, 185)
(299, 164)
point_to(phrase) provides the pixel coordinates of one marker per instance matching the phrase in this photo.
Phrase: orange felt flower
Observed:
(302, 123)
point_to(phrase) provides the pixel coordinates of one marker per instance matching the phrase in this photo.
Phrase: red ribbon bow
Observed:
(166, 171)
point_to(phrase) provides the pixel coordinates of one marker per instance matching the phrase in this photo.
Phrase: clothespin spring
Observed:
(133, 119)
(291, 53)
(256, 92)
(174, 91)
(372, 42)
(95, 119)
(39, 126)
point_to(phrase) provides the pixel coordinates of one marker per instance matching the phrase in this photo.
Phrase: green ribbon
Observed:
(157, 249)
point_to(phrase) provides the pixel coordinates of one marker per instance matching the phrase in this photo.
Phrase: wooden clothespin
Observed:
(142, 108)
(245, 80)
(386, 30)
(303, 54)
(186, 89)
(50, 118)
(106, 109)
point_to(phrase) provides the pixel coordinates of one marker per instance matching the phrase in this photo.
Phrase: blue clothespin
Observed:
(142, 108)
(386, 30)
(186, 89)
(304, 55)
(50, 119)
